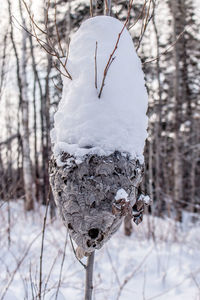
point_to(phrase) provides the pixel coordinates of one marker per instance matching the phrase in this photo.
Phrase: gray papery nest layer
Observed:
(85, 195)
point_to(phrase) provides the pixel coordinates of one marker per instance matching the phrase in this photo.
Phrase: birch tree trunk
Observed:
(27, 166)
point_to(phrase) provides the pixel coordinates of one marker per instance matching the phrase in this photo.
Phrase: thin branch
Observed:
(168, 48)
(48, 46)
(110, 60)
(140, 15)
(57, 31)
(61, 268)
(17, 267)
(48, 277)
(130, 276)
(32, 18)
(59, 89)
(42, 248)
(144, 25)
(47, 15)
(85, 267)
(95, 64)
(24, 28)
(91, 9)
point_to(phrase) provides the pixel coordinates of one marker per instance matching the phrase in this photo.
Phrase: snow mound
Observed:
(117, 121)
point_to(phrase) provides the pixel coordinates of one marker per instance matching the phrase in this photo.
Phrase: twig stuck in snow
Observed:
(95, 62)
(111, 58)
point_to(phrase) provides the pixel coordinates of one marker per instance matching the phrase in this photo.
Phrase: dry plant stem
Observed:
(48, 46)
(168, 48)
(95, 61)
(42, 249)
(17, 268)
(144, 25)
(38, 39)
(130, 276)
(48, 277)
(57, 31)
(32, 18)
(89, 277)
(75, 253)
(111, 58)
(61, 267)
(91, 9)
(140, 15)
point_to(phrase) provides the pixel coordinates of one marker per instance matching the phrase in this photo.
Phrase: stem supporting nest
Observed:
(89, 277)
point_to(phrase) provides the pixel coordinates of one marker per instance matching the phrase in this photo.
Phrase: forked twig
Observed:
(49, 46)
(139, 16)
(144, 25)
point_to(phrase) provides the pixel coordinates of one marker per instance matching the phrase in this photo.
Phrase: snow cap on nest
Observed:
(117, 121)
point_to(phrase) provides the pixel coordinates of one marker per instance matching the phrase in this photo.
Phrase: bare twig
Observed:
(89, 277)
(60, 90)
(139, 16)
(168, 48)
(130, 276)
(85, 267)
(42, 249)
(113, 267)
(57, 31)
(91, 8)
(48, 277)
(32, 18)
(95, 64)
(111, 58)
(144, 25)
(17, 267)
(49, 45)
(61, 268)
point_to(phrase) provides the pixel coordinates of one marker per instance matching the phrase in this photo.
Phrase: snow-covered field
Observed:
(135, 268)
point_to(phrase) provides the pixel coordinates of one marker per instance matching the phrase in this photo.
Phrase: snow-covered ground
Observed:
(127, 268)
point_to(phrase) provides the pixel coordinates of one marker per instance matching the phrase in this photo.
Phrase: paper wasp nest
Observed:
(88, 195)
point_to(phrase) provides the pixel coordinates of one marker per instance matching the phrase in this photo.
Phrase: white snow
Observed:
(86, 124)
(121, 194)
(145, 199)
(164, 268)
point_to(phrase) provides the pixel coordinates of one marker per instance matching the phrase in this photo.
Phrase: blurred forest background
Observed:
(167, 38)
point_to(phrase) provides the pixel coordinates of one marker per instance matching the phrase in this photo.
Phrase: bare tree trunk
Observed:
(89, 277)
(27, 166)
(158, 111)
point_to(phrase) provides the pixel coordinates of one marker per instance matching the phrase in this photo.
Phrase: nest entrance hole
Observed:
(93, 233)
